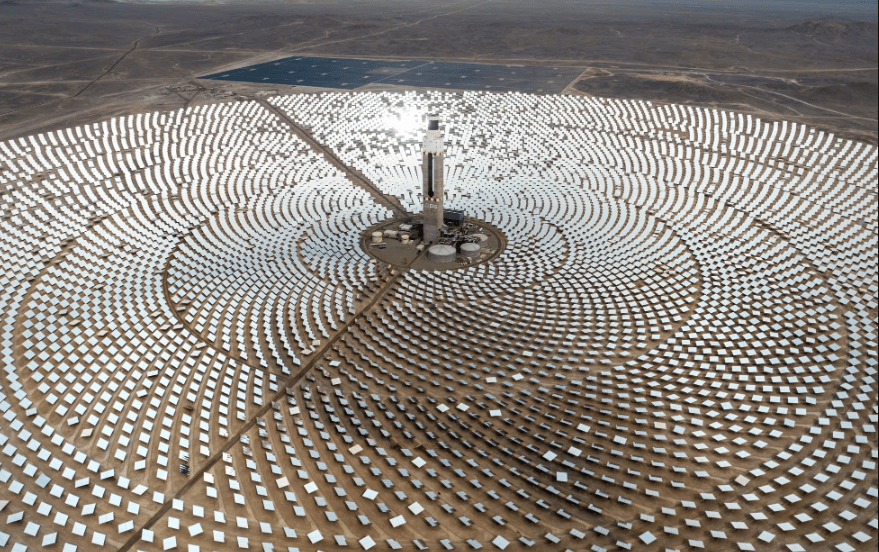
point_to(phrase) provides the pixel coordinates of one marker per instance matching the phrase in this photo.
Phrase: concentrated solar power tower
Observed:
(432, 190)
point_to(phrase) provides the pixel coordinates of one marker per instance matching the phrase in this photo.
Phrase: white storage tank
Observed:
(470, 249)
(442, 253)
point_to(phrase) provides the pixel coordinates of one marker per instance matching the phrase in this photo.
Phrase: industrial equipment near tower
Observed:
(437, 238)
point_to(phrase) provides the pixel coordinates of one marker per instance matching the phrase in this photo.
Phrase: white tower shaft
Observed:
(433, 152)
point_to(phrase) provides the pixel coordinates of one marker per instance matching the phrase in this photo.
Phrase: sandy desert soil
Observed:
(69, 62)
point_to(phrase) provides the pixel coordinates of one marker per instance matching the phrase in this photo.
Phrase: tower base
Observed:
(431, 233)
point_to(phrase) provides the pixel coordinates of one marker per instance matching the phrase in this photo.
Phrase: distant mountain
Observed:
(832, 31)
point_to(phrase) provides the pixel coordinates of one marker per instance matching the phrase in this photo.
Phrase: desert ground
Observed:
(65, 63)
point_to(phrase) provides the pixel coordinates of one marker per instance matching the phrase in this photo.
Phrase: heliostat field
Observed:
(674, 350)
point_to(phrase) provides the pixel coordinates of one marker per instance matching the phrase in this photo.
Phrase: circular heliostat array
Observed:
(674, 349)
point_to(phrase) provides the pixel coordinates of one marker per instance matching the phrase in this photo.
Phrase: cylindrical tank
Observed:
(470, 249)
(481, 238)
(376, 237)
(442, 253)
(404, 238)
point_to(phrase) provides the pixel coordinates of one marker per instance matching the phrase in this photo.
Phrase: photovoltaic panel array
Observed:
(349, 74)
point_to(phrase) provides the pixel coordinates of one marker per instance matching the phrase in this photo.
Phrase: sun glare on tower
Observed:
(405, 123)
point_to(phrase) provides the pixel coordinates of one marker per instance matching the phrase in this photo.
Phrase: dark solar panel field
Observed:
(348, 74)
